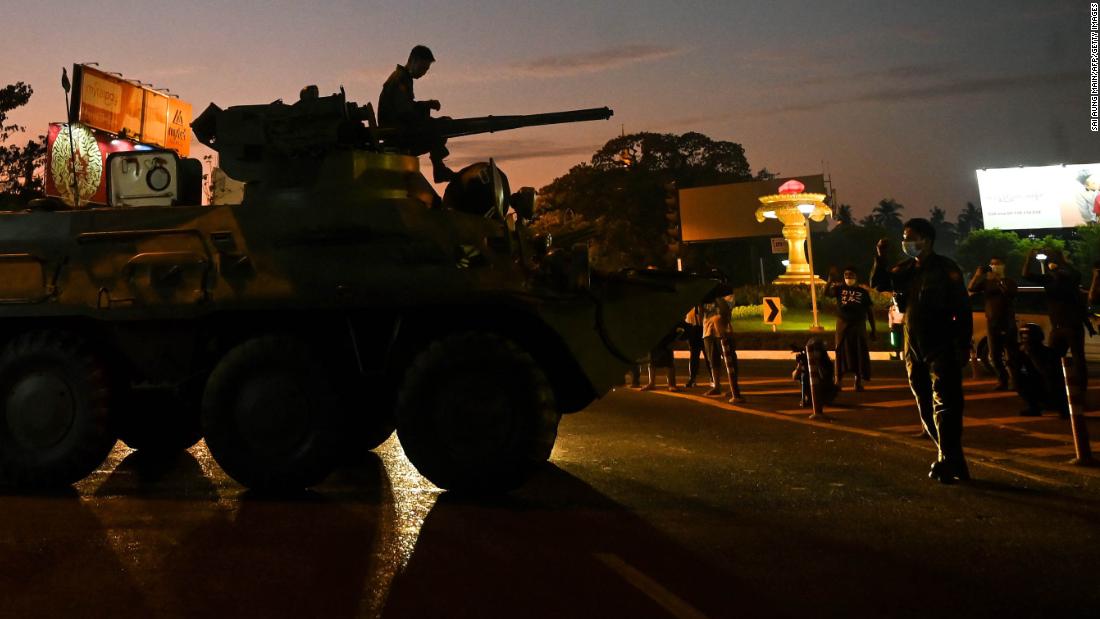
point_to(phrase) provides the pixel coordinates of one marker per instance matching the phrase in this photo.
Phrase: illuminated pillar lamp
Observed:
(793, 207)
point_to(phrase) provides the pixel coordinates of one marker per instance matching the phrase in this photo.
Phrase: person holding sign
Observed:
(853, 313)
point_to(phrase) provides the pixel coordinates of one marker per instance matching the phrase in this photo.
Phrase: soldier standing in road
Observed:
(398, 108)
(930, 290)
(853, 312)
(719, 344)
(999, 294)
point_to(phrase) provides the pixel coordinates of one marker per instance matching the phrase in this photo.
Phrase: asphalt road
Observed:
(654, 505)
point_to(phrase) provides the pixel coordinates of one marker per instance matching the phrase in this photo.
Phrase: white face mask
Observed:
(851, 281)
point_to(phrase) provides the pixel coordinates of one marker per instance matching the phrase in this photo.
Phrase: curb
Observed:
(781, 355)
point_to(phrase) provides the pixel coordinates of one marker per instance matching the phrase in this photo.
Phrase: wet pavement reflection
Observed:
(175, 537)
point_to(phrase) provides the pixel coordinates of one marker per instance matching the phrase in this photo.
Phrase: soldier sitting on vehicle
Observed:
(398, 108)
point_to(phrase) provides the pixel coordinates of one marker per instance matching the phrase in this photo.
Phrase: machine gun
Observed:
(284, 144)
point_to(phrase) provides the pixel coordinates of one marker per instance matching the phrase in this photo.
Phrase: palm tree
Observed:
(888, 215)
(843, 214)
(970, 219)
(945, 231)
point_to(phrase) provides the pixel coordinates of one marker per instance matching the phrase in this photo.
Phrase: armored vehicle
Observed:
(340, 299)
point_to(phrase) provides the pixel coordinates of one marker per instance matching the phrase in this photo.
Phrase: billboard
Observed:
(1059, 196)
(110, 103)
(729, 211)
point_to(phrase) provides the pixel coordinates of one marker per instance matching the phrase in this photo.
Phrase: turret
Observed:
(280, 145)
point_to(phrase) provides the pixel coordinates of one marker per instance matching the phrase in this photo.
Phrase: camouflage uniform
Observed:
(938, 328)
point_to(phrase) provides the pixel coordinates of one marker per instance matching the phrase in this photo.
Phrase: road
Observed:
(654, 505)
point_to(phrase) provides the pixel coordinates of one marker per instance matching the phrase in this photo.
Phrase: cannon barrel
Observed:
(457, 127)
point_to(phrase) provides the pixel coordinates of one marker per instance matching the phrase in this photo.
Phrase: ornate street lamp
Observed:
(795, 208)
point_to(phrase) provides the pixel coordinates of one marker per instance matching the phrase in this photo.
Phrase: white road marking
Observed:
(668, 600)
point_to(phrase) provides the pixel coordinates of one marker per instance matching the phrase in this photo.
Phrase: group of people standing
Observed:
(1020, 355)
(930, 291)
(709, 334)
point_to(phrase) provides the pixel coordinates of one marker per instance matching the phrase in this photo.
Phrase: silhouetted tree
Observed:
(843, 214)
(690, 159)
(627, 207)
(946, 237)
(888, 215)
(19, 165)
(1085, 248)
(980, 245)
(970, 219)
(765, 175)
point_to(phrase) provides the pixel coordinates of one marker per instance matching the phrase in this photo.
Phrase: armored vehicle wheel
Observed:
(475, 413)
(54, 394)
(270, 415)
(159, 420)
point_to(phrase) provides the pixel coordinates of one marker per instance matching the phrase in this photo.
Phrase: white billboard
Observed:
(1058, 196)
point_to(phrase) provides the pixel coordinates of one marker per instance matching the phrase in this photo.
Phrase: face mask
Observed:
(850, 281)
(998, 270)
(911, 248)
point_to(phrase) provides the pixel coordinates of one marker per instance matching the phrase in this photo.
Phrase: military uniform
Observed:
(398, 107)
(938, 328)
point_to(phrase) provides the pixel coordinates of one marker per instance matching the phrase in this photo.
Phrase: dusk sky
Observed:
(901, 100)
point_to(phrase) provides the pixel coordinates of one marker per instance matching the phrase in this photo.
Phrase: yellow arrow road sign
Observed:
(773, 315)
